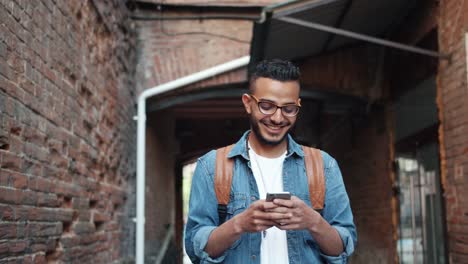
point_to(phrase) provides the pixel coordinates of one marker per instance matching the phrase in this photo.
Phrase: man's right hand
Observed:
(258, 217)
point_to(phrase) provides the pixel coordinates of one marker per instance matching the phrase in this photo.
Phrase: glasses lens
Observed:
(267, 108)
(290, 110)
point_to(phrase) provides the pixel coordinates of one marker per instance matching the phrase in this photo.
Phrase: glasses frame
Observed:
(258, 101)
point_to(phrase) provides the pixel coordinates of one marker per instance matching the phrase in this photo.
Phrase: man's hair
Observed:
(276, 69)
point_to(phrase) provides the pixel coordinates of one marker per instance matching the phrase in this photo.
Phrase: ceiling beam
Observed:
(363, 37)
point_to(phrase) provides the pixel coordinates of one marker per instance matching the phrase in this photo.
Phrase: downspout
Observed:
(141, 139)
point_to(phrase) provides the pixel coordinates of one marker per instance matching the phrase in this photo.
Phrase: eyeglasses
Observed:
(269, 108)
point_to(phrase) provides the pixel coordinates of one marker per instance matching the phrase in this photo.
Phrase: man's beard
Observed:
(255, 128)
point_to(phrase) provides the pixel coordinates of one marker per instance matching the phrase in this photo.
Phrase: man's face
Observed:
(271, 129)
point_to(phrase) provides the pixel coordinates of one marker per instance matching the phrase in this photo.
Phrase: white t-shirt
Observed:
(268, 174)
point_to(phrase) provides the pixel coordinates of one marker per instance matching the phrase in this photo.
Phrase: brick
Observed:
(40, 259)
(34, 136)
(40, 184)
(83, 228)
(16, 247)
(36, 153)
(10, 161)
(70, 241)
(49, 214)
(4, 248)
(47, 200)
(67, 190)
(100, 217)
(27, 197)
(6, 213)
(7, 230)
(18, 180)
(44, 230)
(30, 167)
(9, 196)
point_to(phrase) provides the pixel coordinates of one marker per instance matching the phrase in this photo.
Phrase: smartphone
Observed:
(279, 195)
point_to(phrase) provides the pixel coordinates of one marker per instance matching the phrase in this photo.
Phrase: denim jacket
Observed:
(302, 248)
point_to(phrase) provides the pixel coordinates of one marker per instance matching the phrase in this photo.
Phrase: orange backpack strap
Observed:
(223, 180)
(315, 176)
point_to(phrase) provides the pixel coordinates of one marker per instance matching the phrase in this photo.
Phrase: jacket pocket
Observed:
(237, 204)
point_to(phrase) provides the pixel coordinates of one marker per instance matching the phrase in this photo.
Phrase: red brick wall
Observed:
(66, 135)
(348, 71)
(453, 130)
(361, 144)
(364, 156)
(173, 49)
(169, 50)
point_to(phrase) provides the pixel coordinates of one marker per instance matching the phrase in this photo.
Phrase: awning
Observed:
(300, 29)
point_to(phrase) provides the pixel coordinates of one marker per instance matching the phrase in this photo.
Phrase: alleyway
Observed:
(384, 85)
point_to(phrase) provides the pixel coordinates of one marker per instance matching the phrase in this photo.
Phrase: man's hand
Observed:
(304, 217)
(260, 216)
(301, 216)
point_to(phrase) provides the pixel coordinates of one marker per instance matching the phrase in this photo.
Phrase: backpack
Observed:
(224, 169)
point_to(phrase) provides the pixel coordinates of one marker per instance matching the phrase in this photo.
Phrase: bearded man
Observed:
(267, 160)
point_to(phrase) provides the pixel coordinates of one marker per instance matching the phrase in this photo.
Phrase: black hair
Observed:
(275, 69)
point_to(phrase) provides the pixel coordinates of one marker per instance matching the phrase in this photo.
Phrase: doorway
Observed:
(421, 232)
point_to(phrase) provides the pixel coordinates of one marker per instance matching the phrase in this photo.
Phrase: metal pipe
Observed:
(363, 37)
(199, 17)
(141, 139)
(165, 244)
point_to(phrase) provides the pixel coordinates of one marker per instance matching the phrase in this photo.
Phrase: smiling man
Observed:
(267, 160)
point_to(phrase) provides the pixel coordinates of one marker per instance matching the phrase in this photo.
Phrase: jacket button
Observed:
(252, 198)
(254, 257)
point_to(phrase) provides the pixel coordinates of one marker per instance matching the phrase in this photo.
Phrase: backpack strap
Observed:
(315, 176)
(223, 180)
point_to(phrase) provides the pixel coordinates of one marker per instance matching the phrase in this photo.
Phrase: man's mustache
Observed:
(271, 123)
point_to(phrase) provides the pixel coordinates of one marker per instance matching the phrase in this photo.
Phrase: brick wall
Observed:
(361, 144)
(348, 71)
(173, 49)
(362, 149)
(168, 50)
(66, 135)
(453, 130)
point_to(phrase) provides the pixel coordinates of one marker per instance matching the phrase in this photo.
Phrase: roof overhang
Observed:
(301, 29)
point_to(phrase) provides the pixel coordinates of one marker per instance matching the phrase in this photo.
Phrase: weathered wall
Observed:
(173, 49)
(160, 206)
(453, 113)
(362, 149)
(66, 133)
(361, 144)
(168, 50)
(350, 71)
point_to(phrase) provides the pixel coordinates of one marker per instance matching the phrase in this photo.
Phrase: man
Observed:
(266, 159)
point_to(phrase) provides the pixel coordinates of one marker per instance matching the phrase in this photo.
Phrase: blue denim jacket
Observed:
(302, 248)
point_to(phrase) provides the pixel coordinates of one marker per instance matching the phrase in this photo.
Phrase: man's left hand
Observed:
(302, 216)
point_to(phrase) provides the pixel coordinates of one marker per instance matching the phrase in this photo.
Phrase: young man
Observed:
(266, 159)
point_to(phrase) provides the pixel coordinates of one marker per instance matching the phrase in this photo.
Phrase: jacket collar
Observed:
(240, 148)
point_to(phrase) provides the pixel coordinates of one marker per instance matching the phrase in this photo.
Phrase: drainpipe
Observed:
(141, 139)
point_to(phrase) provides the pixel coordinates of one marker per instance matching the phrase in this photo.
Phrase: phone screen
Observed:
(280, 195)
